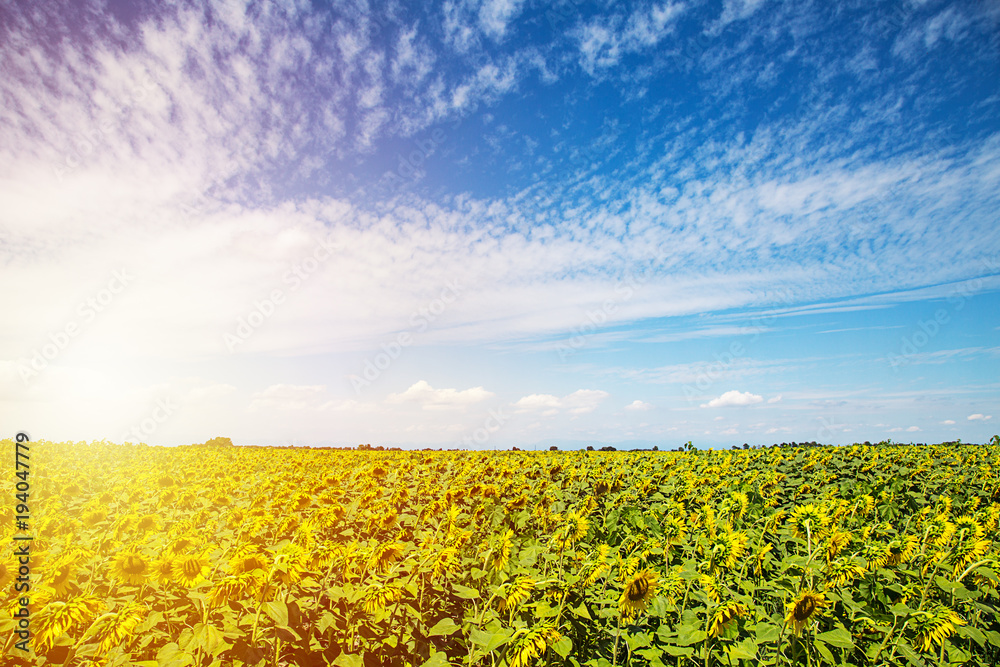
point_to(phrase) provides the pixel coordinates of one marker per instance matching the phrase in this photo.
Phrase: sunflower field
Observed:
(152, 556)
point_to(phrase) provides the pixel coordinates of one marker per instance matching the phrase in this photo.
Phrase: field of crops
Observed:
(878, 555)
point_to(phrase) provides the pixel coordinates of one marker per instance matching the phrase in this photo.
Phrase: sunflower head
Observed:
(118, 627)
(724, 616)
(934, 626)
(674, 529)
(528, 645)
(517, 593)
(843, 571)
(57, 618)
(131, 567)
(235, 587)
(385, 555)
(808, 521)
(637, 594)
(901, 549)
(804, 607)
(189, 570)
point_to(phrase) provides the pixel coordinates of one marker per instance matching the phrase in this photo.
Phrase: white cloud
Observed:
(732, 399)
(604, 40)
(913, 429)
(495, 15)
(423, 394)
(979, 417)
(775, 399)
(638, 405)
(948, 421)
(734, 10)
(580, 402)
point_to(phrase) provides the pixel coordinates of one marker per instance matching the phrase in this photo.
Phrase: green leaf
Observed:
(767, 632)
(278, 611)
(465, 592)
(678, 651)
(344, 660)
(838, 637)
(746, 649)
(652, 656)
(444, 627)
(490, 640)
(690, 634)
(637, 641)
(326, 621)
(825, 652)
(171, 655)
(439, 659)
(206, 637)
(563, 647)
(910, 655)
(582, 611)
(955, 654)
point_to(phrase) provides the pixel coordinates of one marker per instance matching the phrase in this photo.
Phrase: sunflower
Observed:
(235, 587)
(901, 549)
(57, 618)
(323, 555)
(517, 593)
(674, 529)
(709, 586)
(182, 543)
(808, 520)
(738, 503)
(378, 597)
(835, 543)
(384, 556)
(148, 522)
(189, 570)
(527, 645)
(761, 557)
(163, 570)
(500, 554)
(934, 626)
(967, 551)
(843, 571)
(672, 585)
(805, 605)
(724, 616)
(117, 628)
(445, 561)
(64, 571)
(727, 550)
(637, 594)
(131, 567)
(875, 555)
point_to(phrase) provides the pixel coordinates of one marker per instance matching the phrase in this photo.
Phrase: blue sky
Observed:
(501, 223)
